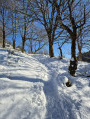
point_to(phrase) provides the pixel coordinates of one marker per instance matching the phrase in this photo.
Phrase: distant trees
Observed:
(8, 20)
(37, 39)
(60, 45)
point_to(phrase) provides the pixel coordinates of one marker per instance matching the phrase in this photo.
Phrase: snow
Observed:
(72, 59)
(34, 87)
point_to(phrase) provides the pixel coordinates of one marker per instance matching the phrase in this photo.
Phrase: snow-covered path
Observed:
(61, 104)
(53, 107)
(32, 87)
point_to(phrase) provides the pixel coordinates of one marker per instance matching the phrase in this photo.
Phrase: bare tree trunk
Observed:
(15, 31)
(80, 54)
(61, 56)
(23, 44)
(73, 48)
(24, 38)
(25, 27)
(80, 40)
(13, 28)
(3, 29)
(73, 61)
(13, 43)
(51, 53)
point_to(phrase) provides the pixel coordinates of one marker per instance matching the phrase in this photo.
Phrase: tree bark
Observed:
(80, 55)
(23, 44)
(73, 61)
(13, 43)
(13, 39)
(73, 47)
(51, 53)
(3, 37)
(15, 31)
(61, 56)
(3, 29)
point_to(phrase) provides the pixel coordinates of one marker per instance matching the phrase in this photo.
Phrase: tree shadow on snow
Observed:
(57, 108)
(23, 78)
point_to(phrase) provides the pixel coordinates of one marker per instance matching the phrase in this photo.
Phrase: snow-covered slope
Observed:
(33, 87)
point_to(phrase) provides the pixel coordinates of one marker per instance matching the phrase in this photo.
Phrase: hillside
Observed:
(33, 87)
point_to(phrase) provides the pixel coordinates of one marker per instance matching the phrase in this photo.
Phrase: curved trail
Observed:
(59, 104)
(32, 86)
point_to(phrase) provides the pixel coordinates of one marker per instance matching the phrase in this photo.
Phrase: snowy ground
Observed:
(33, 87)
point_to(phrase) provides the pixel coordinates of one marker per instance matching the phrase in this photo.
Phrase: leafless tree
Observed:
(24, 21)
(69, 20)
(14, 23)
(8, 19)
(37, 38)
(3, 17)
(47, 16)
